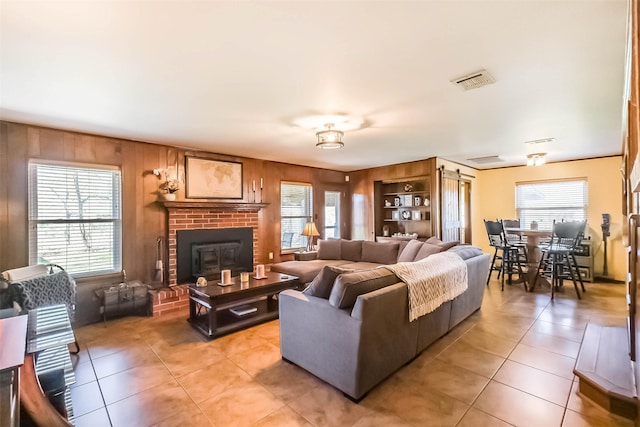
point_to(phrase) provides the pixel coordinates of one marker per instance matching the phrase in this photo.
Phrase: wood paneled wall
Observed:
(143, 218)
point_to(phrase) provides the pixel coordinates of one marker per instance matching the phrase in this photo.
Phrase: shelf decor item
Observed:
(406, 214)
(408, 187)
(416, 215)
(426, 202)
(417, 201)
(408, 200)
(396, 201)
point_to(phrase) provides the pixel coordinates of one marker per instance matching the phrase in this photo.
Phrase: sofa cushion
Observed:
(448, 245)
(362, 265)
(348, 286)
(466, 251)
(426, 250)
(351, 250)
(329, 249)
(410, 251)
(382, 253)
(322, 284)
(306, 271)
(445, 245)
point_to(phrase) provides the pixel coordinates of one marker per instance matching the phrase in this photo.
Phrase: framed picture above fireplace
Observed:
(213, 179)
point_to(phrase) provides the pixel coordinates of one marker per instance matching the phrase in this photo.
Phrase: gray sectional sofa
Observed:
(350, 326)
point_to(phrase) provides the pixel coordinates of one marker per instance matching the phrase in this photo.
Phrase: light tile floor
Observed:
(509, 363)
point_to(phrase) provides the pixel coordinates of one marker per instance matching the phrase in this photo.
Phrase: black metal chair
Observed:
(506, 259)
(558, 261)
(516, 240)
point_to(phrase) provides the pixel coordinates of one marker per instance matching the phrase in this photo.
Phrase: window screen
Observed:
(295, 210)
(546, 201)
(75, 217)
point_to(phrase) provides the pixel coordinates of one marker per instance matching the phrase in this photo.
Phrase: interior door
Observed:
(455, 207)
(450, 206)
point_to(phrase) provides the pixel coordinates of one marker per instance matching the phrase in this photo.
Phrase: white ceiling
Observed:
(235, 77)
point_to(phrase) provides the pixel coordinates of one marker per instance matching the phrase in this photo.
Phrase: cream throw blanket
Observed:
(432, 281)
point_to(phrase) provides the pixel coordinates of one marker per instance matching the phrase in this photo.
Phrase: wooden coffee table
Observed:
(216, 310)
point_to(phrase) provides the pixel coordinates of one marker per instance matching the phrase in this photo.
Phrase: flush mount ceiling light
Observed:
(329, 139)
(536, 159)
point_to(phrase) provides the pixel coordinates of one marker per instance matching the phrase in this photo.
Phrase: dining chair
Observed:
(506, 259)
(517, 240)
(558, 261)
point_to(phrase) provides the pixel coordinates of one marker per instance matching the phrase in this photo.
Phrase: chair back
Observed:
(567, 235)
(40, 286)
(512, 238)
(511, 223)
(495, 233)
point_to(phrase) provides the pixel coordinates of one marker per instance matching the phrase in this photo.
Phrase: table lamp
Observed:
(310, 230)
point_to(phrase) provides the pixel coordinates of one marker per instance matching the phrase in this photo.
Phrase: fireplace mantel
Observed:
(237, 206)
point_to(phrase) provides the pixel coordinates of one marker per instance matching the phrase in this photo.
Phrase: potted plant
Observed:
(169, 186)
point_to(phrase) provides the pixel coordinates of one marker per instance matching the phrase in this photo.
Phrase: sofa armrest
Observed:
(388, 339)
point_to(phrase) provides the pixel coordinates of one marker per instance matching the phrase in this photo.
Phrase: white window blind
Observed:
(75, 217)
(546, 201)
(295, 210)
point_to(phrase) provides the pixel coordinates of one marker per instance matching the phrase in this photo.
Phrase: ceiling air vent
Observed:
(485, 160)
(474, 81)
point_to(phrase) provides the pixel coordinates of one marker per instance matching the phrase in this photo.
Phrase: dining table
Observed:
(533, 252)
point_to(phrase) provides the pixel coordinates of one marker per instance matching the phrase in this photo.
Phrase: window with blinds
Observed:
(295, 210)
(546, 201)
(75, 217)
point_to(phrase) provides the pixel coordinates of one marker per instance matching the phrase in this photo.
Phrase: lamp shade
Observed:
(536, 159)
(310, 230)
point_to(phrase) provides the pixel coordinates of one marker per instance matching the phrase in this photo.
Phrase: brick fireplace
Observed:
(199, 216)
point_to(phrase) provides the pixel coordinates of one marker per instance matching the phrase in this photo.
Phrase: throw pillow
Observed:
(322, 284)
(381, 253)
(426, 250)
(448, 245)
(434, 240)
(410, 251)
(329, 249)
(351, 250)
(466, 251)
(348, 286)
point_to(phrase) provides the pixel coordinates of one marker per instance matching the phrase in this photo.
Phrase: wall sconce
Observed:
(536, 159)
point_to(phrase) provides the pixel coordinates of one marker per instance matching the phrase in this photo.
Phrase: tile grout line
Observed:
(501, 365)
(99, 386)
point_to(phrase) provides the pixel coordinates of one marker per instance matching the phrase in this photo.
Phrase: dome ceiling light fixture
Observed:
(329, 139)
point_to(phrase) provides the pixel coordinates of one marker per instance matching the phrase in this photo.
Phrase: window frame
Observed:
(575, 209)
(114, 217)
(337, 208)
(307, 217)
